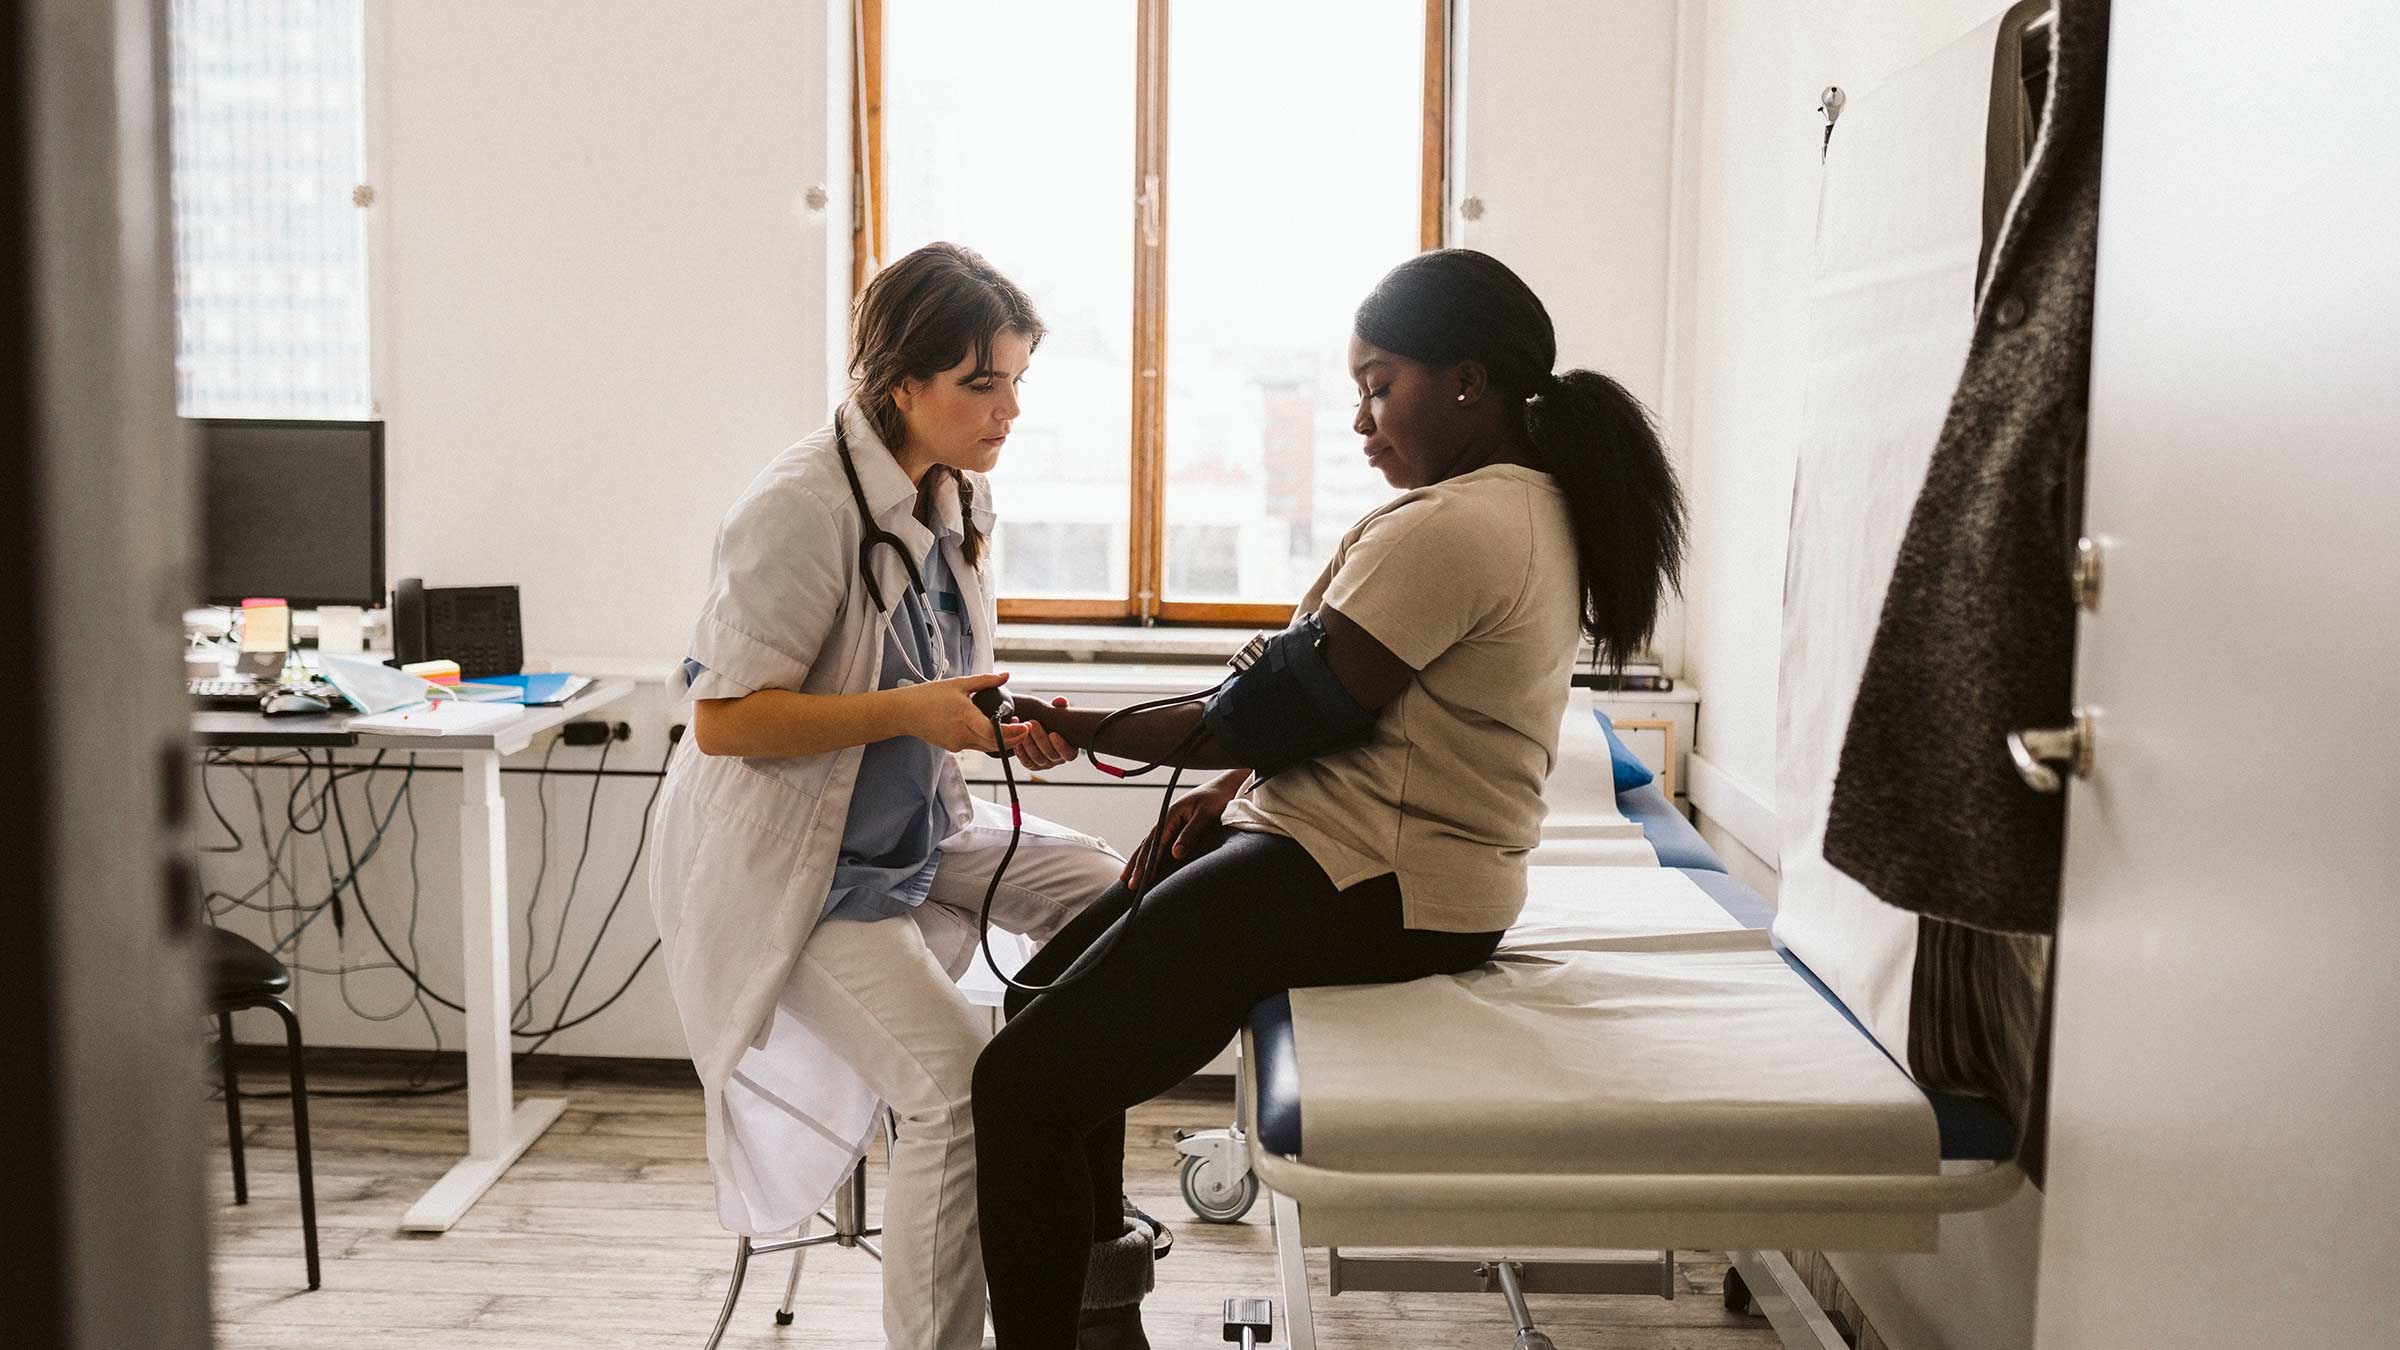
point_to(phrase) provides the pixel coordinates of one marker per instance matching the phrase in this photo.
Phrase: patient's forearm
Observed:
(1147, 737)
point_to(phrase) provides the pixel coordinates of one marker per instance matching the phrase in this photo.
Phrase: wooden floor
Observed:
(604, 1235)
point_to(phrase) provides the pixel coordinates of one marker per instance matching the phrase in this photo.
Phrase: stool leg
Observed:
(791, 1285)
(308, 1174)
(733, 1291)
(850, 1203)
(233, 1108)
(850, 1213)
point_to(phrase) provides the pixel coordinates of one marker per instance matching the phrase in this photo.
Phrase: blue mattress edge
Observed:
(1673, 838)
(1971, 1128)
(1275, 1071)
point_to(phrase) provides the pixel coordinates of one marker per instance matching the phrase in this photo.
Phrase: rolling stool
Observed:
(241, 974)
(849, 1230)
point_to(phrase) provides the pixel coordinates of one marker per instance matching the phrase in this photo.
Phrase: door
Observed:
(105, 1208)
(2226, 1053)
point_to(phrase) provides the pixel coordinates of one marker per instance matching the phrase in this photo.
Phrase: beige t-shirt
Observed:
(1473, 582)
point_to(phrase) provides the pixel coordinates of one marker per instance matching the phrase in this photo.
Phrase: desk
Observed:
(499, 1128)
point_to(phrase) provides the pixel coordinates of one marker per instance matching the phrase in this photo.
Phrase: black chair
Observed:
(241, 974)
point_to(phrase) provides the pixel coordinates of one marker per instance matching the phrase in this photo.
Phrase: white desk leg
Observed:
(498, 1128)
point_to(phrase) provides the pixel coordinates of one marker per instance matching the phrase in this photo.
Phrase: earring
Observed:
(1462, 398)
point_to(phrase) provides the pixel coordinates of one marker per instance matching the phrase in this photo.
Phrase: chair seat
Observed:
(240, 969)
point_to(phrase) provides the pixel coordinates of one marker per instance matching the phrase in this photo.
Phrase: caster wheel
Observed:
(783, 1319)
(1215, 1196)
(1534, 1340)
(1737, 1294)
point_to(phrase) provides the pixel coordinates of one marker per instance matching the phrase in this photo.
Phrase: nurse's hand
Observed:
(943, 713)
(1036, 746)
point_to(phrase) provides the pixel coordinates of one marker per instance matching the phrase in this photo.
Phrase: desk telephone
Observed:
(476, 626)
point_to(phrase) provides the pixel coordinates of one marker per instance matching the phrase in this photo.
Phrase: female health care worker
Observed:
(819, 862)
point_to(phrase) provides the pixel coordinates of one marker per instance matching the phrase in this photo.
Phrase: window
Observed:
(1204, 562)
(1196, 195)
(1014, 136)
(1052, 557)
(270, 249)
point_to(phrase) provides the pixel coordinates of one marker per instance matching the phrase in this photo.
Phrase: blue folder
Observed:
(549, 687)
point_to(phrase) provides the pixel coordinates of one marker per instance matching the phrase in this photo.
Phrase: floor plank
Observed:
(604, 1235)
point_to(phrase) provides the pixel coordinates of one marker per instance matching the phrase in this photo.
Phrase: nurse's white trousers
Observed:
(884, 994)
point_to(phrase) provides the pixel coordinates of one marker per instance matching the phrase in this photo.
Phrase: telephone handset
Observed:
(408, 621)
(477, 626)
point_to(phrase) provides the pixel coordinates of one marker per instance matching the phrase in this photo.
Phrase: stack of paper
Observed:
(449, 717)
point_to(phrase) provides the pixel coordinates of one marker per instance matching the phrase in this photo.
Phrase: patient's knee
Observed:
(1007, 1083)
(994, 1077)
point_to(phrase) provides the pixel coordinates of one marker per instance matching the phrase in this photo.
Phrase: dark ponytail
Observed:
(1597, 440)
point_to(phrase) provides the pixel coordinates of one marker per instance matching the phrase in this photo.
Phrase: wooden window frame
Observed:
(1144, 601)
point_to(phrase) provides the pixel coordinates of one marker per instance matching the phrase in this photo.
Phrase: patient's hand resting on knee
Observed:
(1192, 827)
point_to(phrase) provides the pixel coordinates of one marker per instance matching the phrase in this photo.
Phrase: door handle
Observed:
(2036, 749)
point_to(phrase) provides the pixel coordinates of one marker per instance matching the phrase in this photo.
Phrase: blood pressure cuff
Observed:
(1287, 706)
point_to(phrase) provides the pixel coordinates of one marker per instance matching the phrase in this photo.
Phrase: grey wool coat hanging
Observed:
(1977, 633)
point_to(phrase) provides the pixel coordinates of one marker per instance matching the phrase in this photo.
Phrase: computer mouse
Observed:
(287, 702)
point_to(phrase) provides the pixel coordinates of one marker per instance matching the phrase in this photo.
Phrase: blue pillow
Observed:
(1628, 769)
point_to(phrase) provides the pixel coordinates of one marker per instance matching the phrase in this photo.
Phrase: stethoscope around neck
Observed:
(873, 536)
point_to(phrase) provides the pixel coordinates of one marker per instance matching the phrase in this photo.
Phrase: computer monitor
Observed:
(292, 509)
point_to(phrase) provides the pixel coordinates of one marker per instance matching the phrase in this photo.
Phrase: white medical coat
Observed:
(744, 849)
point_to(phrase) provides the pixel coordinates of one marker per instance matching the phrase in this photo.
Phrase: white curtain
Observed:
(1899, 227)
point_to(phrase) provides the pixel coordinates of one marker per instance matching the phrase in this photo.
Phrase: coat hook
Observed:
(1830, 103)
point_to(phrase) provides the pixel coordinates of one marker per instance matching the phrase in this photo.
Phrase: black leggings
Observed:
(1251, 918)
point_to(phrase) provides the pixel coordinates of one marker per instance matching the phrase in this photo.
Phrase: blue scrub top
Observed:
(891, 840)
(891, 843)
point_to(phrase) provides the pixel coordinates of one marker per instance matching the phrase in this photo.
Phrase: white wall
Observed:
(1561, 127)
(1756, 149)
(1754, 155)
(1563, 119)
(603, 302)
